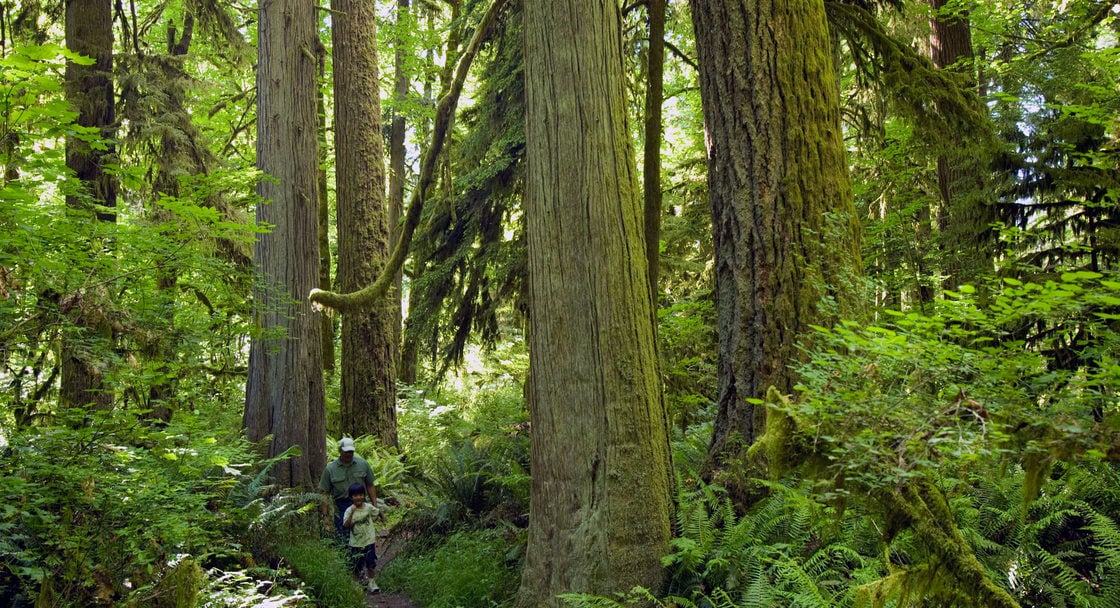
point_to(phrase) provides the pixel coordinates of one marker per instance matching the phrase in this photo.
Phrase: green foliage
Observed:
(472, 450)
(1062, 549)
(323, 566)
(893, 401)
(891, 407)
(470, 253)
(468, 569)
(688, 366)
(262, 517)
(785, 551)
(60, 272)
(1055, 104)
(111, 509)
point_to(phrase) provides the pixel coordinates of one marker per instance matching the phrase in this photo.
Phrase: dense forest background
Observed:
(647, 303)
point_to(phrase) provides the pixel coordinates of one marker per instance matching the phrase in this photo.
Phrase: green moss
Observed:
(952, 574)
(179, 586)
(1036, 468)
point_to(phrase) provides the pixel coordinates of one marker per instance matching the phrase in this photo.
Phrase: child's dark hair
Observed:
(355, 489)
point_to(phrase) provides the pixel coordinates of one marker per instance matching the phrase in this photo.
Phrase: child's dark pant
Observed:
(363, 557)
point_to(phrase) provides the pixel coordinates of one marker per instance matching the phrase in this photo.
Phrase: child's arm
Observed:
(348, 519)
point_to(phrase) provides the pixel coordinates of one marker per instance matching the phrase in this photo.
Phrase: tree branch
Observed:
(632, 6)
(366, 296)
(680, 55)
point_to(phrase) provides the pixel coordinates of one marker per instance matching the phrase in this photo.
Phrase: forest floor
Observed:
(385, 599)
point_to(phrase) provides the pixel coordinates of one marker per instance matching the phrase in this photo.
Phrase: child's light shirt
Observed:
(362, 532)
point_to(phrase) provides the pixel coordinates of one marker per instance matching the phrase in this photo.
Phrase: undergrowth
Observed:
(468, 569)
(326, 571)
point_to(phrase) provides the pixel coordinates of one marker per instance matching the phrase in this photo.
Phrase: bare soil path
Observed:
(384, 556)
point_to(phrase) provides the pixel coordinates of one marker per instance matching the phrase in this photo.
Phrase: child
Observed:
(358, 519)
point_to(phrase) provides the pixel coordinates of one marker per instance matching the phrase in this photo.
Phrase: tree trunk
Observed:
(651, 159)
(601, 491)
(326, 321)
(965, 214)
(284, 394)
(369, 384)
(89, 88)
(783, 218)
(396, 187)
(174, 159)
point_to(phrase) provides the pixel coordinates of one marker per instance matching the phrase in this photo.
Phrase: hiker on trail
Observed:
(358, 519)
(337, 478)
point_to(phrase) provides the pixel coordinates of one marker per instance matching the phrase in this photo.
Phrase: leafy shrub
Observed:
(261, 517)
(968, 458)
(101, 510)
(468, 569)
(115, 511)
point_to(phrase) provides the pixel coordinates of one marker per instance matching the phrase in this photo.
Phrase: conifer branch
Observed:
(445, 109)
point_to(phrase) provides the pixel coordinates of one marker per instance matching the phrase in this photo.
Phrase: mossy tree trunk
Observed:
(175, 158)
(965, 213)
(284, 393)
(369, 382)
(89, 88)
(651, 154)
(784, 224)
(600, 454)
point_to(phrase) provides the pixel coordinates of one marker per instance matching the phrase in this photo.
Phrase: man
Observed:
(347, 469)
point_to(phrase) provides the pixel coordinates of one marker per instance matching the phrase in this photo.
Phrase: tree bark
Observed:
(174, 159)
(783, 218)
(326, 322)
(601, 497)
(964, 215)
(369, 384)
(89, 88)
(396, 186)
(284, 393)
(651, 158)
(445, 111)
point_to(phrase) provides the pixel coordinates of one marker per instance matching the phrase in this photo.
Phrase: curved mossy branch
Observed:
(922, 507)
(915, 504)
(366, 296)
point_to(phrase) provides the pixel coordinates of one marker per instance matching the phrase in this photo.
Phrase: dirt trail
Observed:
(384, 556)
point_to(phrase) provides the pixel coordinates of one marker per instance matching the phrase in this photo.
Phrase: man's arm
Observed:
(371, 491)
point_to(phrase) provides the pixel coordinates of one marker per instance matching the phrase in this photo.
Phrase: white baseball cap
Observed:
(346, 444)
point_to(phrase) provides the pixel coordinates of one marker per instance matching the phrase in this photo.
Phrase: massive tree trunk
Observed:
(965, 213)
(369, 383)
(284, 394)
(600, 454)
(784, 222)
(89, 88)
